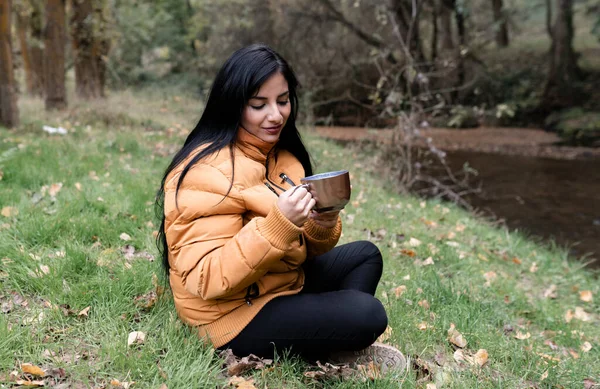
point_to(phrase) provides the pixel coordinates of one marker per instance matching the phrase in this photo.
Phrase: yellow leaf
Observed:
(582, 315)
(569, 315)
(586, 347)
(481, 357)
(399, 291)
(423, 326)
(55, 188)
(522, 336)
(534, 267)
(586, 296)
(124, 236)
(136, 337)
(32, 369)
(84, 312)
(9, 211)
(456, 337)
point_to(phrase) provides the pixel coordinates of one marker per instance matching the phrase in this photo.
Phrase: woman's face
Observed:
(267, 111)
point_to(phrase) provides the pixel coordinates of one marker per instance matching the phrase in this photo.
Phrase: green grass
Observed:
(61, 254)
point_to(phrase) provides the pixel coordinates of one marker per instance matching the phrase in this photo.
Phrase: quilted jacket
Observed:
(231, 250)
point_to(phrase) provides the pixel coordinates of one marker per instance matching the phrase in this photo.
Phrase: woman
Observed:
(250, 265)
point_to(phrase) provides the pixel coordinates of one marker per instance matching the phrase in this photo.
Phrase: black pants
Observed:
(335, 311)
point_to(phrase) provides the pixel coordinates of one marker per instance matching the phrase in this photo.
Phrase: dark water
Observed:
(552, 199)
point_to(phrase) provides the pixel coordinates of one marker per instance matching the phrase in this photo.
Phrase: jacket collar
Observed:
(252, 146)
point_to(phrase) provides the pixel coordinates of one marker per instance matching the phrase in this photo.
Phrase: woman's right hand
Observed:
(296, 204)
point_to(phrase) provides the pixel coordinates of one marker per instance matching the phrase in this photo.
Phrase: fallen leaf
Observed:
(522, 336)
(517, 261)
(586, 296)
(9, 211)
(453, 244)
(147, 300)
(586, 347)
(136, 337)
(423, 326)
(544, 375)
(481, 357)
(119, 384)
(569, 315)
(54, 189)
(241, 382)
(489, 277)
(44, 269)
(370, 371)
(84, 312)
(414, 242)
(30, 383)
(78, 186)
(551, 344)
(399, 291)
(533, 268)
(550, 292)
(124, 236)
(424, 304)
(431, 386)
(428, 261)
(573, 353)
(582, 315)
(456, 337)
(32, 369)
(410, 253)
(589, 383)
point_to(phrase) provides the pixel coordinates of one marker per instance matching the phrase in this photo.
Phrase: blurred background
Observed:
(492, 104)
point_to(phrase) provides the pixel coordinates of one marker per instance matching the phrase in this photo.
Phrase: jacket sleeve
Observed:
(210, 248)
(320, 240)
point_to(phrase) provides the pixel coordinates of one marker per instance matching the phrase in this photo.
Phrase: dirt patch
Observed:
(508, 141)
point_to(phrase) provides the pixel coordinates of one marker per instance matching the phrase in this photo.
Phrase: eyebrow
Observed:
(265, 98)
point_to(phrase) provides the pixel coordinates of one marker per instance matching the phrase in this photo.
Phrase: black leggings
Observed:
(335, 311)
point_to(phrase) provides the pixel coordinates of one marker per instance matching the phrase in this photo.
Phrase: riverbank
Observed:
(506, 141)
(471, 304)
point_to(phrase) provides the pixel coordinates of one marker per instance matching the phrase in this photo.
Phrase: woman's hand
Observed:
(296, 204)
(325, 219)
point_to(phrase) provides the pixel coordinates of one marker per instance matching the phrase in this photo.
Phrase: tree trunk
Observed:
(561, 87)
(23, 22)
(500, 23)
(407, 16)
(85, 50)
(36, 48)
(446, 26)
(9, 113)
(54, 55)
(435, 33)
(103, 44)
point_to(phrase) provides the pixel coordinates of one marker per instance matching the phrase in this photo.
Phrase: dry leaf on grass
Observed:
(118, 384)
(55, 188)
(522, 336)
(581, 314)
(237, 366)
(241, 382)
(413, 242)
(410, 253)
(136, 337)
(544, 376)
(399, 291)
(328, 371)
(534, 267)
(586, 347)
(124, 236)
(489, 277)
(456, 337)
(32, 369)
(589, 383)
(84, 312)
(550, 292)
(586, 296)
(9, 211)
(480, 358)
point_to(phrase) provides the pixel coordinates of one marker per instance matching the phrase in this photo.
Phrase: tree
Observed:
(23, 16)
(85, 49)
(561, 86)
(500, 22)
(54, 54)
(9, 113)
(36, 47)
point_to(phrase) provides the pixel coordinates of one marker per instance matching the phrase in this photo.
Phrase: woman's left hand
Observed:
(325, 219)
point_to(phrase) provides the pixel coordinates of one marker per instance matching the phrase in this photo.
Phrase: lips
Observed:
(273, 130)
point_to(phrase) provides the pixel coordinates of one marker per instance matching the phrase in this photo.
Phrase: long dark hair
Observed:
(237, 81)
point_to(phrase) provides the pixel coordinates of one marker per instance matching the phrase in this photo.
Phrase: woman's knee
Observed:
(370, 251)
(370, 317)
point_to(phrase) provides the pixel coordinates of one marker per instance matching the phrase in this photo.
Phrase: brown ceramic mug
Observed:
(331, 190)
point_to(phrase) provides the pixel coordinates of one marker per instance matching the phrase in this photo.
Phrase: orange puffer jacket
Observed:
(231, 250)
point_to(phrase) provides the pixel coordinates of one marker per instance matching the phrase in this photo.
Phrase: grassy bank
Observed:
(77, 274)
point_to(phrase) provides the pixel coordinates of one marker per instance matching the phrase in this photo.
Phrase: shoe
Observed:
(386, 358)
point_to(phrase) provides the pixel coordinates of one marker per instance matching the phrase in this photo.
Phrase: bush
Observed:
(575, 126)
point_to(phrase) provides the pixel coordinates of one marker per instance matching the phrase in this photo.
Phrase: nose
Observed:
(274, 115)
